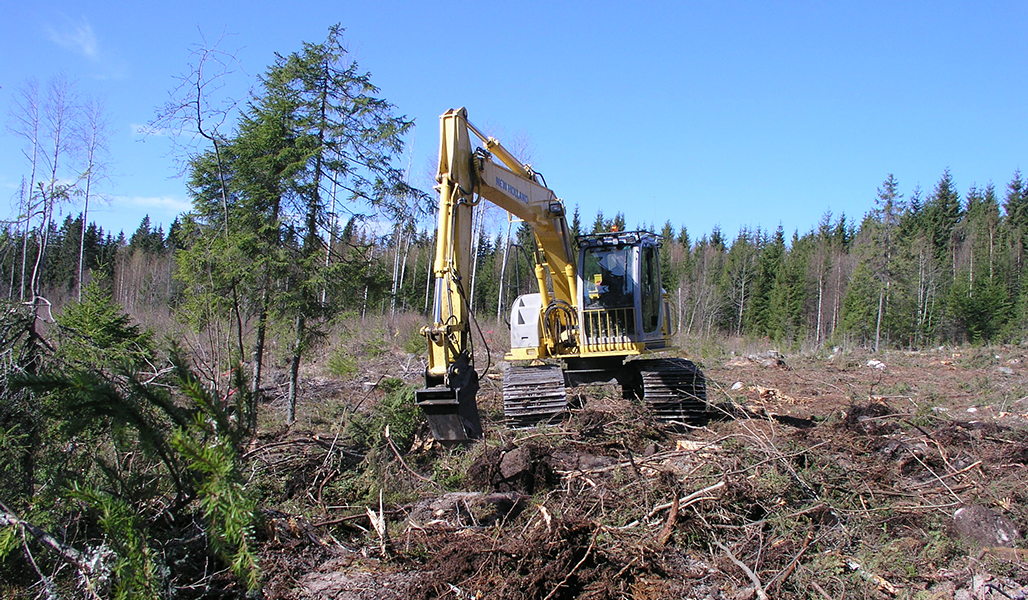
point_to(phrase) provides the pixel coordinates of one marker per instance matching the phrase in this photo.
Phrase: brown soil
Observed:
(825, 477)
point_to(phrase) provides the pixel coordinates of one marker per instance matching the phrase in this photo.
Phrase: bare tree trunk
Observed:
(28, 119)
(742, 301)
(82, 242)
(970, 286)
(94, 141)
(992, 247)
(22, 209)
(331, 239)
(878, 321)
(953, 258)
(503, 269)
(406, 253)
(921, 296)
(294, 368)
(397, 237)
(241, 352)
(59, 115)
(820, 307)
(476, 224)
(25, 246)
(367, 286)
(428, 275)
(834, 321)
(258, 344)
(681, 311)
(692, 314)
(44, 239)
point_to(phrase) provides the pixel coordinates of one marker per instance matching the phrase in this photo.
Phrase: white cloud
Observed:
(75, 36)
(166, 204)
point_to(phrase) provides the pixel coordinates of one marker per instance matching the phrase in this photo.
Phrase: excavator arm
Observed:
(465, 177)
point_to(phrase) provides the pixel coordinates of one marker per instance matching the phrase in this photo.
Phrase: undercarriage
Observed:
(673, 389)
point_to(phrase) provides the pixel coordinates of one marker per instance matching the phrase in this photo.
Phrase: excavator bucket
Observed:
(452, 412)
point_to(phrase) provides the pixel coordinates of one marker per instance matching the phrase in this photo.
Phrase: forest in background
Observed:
(936, 268)
(124, 464)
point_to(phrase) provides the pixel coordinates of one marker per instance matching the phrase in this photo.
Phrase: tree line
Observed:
(929, 269)
(934, 268)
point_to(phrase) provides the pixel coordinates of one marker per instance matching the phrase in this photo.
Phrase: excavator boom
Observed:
(464, 178)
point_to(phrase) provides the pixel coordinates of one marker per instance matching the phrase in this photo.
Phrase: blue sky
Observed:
(730, 114)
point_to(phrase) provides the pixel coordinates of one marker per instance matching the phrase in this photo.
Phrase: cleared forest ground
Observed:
(835, 476)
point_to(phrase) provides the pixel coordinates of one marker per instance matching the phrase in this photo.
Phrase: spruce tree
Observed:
(313, 130)
(787, 293)
(821, 266)
(859, 305)
(668, 272)
(771, 253)
(576, 225)
(942, 212)
(884, 248)
(618, 223)
(1015, 207)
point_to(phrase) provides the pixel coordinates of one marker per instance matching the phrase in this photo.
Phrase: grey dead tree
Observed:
(46, 123)
(60, 114)
(26, 123)
(93, 133)
(195, 116)
(196, 110)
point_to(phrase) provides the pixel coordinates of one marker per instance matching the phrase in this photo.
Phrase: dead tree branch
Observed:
(761, 594)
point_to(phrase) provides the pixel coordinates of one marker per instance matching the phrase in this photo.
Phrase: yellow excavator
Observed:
(589, 320)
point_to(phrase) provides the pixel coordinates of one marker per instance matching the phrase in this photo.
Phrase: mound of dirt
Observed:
(526, 469)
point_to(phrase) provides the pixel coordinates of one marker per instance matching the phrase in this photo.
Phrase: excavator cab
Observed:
(621, 315)
(621, 299)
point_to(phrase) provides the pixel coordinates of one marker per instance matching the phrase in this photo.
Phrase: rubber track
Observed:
(533, 396)
(674, 390)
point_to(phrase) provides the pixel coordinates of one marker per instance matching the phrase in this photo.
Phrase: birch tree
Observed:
(26, 123)
(93, 134)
